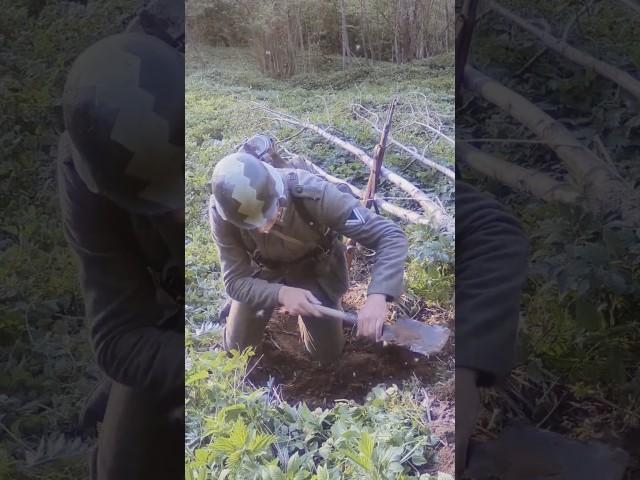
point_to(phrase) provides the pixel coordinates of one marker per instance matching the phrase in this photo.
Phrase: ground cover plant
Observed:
(46, 361)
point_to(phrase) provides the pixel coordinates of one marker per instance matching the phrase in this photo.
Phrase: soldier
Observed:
(121, 187)
(277, 235)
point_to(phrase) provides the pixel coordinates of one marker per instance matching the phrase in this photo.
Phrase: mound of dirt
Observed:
(362, 366)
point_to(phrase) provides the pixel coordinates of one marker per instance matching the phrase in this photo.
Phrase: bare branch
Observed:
(437, 132)
(528, 181)
(620, 77)
(601, 186)
(409, 149)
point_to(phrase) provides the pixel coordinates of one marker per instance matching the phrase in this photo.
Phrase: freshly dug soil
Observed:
(362, 366)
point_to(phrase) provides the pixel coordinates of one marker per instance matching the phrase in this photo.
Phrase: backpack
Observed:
(262, 147)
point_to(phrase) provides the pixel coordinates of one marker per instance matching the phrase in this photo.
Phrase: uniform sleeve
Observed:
(119, 294)
(237, 272)
(491, 264)
(344, 214)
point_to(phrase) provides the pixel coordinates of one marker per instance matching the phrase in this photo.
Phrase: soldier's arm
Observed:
(237, 272)
(118, 290)
(491, 263)
(343, 213)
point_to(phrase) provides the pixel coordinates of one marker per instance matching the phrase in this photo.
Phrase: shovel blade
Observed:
(528, 453)
(416, 336)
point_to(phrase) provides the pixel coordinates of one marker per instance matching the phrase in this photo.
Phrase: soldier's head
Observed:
(123, 108)
(247, 192)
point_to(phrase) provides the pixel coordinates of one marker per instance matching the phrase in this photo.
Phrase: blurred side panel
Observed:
(547, 278)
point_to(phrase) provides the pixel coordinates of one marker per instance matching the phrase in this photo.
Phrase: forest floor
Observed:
(223, 89)
(47, 366)
(363, 365)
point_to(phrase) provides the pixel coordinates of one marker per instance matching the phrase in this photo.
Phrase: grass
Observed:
(347, 440)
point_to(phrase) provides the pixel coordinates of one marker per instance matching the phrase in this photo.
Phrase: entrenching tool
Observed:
(528, 453)
(406, 332)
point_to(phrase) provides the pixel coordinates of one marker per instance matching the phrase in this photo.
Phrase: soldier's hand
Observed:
(298, 301)
(371, 317)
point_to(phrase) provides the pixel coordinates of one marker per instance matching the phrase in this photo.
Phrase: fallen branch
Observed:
(410, 150)
(620, 77)
(437, 132)
(601, 186)
(522, 179)
(425, 161)
(434, 212)
(403, 213)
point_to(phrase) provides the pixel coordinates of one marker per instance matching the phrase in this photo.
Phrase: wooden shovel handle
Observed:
(351, 319)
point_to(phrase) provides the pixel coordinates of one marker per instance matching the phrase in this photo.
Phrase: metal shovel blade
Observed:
(529, 453)
(416, 336)
(406, 333)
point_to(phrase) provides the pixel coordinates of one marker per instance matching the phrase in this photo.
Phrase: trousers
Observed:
(140, 438)
(323, 336)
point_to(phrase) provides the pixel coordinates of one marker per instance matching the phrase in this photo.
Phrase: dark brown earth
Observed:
(362, 366)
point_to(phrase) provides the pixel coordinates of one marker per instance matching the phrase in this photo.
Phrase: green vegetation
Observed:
(295, 36)
(580, 328)
(46, 362)
(236, 430)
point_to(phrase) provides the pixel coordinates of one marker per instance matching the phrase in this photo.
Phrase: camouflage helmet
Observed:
(247, 191)
(123, 107)
(163, 19)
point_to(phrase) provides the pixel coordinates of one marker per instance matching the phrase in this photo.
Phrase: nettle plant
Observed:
(431, 270)
(583, 288)
(237, 432)
(592, 266)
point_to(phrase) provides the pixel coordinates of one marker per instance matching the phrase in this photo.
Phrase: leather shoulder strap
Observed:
(298, 193)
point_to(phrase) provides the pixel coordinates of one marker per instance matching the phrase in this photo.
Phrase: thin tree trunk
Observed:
(346, 51)
(366, 28)
(464, 31)
(446, 19)
(363, 39)
(395, 50)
